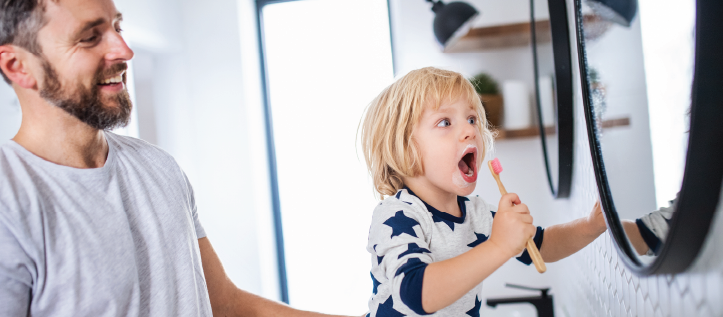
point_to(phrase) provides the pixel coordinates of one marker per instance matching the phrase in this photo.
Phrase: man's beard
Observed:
(86, 104)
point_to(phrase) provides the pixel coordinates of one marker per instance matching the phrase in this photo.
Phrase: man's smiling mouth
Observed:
(468, 164)
(113, 80)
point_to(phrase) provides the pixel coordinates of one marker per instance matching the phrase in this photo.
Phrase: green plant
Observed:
(485, 85)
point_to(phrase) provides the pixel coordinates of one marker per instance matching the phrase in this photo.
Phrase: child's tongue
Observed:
(463, 166)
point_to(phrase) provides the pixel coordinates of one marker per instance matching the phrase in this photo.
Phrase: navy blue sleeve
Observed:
(525, 257)
(648, 236)
(411, 288)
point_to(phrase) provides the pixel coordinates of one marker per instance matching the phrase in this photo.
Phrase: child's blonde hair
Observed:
(388, 125)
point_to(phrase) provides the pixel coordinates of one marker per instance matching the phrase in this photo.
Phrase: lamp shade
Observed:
(451, 19)
(618, 11)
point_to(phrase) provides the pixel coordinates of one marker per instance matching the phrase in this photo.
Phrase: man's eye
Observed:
(472, 120)
(443, 123)
(90, 39)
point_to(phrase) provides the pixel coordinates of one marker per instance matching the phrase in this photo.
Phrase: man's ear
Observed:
(14, 63)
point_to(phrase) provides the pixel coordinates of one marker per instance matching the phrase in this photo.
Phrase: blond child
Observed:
(424, 139)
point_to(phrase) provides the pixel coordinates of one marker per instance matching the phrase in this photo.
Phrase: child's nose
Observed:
(468, 133)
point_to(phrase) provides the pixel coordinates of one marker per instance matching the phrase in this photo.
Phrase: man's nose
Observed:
(118, 50)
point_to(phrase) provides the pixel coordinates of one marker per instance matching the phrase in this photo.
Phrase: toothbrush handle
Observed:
(531, 246)
(536, 256)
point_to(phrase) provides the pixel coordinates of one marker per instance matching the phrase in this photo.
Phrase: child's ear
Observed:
(15, 66)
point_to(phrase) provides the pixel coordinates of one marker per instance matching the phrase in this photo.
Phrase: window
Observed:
(325, 60)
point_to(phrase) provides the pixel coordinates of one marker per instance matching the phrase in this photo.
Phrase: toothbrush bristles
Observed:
(496, 166)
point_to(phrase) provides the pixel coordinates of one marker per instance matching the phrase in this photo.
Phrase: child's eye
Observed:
(443, 123)
(472, 120)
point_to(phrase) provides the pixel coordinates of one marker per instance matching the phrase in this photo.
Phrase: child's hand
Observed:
(596, 219)
(512, 226)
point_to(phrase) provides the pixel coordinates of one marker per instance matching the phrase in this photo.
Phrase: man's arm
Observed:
(228, 300)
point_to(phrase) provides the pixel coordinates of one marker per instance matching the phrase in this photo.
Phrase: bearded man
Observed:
(92, 223)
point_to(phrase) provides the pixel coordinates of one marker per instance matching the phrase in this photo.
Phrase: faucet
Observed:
(542, 303)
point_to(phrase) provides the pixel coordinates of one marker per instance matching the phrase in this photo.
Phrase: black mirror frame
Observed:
(703, 177)
(564, 121)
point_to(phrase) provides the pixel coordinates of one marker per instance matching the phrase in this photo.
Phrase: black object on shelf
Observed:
(451, 19)
(542, 303)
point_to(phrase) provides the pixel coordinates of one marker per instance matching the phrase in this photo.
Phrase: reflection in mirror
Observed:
(639, 78)
(544, 91)
(553, 90)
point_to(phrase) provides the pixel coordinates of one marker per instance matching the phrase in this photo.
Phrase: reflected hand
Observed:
(596, 219)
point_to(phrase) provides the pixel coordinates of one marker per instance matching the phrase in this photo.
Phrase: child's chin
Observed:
(461, 187)
(465, 189)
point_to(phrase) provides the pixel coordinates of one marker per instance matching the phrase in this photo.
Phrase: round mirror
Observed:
(553, 90)
(637, 63)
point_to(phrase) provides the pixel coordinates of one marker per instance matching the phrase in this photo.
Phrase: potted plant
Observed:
(489, 92)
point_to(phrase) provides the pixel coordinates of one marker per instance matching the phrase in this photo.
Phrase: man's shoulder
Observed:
(12, 164)
(139, 149)
(136, 144)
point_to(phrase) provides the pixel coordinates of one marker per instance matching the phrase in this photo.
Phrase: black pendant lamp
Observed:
(452, 20)
(618, 11)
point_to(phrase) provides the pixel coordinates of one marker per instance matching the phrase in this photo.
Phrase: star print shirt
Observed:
(407, 234)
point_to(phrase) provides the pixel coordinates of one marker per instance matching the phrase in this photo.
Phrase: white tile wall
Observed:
(595, 282)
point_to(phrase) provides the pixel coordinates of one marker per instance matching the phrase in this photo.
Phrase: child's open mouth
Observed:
(468, 164)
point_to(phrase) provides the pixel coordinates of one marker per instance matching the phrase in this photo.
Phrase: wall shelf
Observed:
(503, 134)
(516, 35)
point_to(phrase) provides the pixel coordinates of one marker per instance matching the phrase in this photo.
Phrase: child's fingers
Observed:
(530, 231)
(525, 218)
(521, 209)
(510, 199)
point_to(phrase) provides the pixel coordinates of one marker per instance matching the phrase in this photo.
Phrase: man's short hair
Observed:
(20, 21)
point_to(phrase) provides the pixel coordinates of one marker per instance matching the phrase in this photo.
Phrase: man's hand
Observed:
(512, 226)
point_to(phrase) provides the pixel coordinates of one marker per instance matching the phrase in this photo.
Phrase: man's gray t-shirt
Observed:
(120, 240)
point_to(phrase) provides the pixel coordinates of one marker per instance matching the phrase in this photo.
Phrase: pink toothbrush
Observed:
(496, 169)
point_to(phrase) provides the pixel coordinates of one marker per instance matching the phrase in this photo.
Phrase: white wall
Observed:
(203, 91)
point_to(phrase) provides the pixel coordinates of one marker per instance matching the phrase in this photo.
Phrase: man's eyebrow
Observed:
(91, 24)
